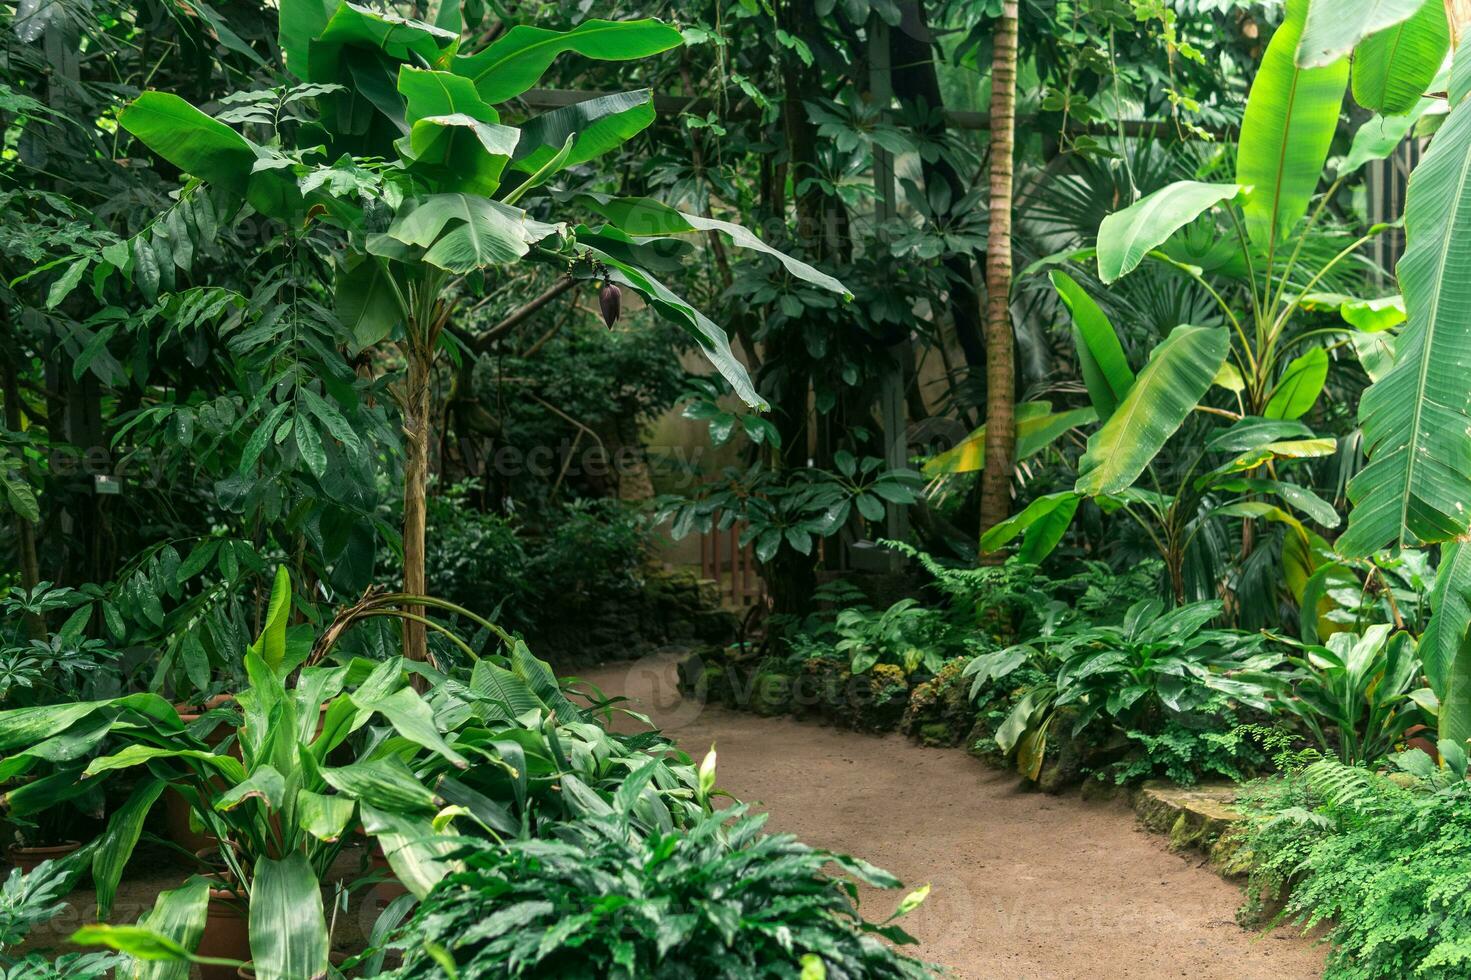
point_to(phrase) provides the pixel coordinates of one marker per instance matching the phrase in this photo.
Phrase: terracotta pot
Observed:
(226, 933)
(27, 858)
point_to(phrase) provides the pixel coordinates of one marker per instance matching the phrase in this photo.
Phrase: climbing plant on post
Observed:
(426, 187)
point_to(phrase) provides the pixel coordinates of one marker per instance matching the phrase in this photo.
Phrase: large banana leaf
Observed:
(1291, 115)
(1445, 634)
(462, 232)
(1393, 69)
(1037, 427)
(513, 63)
(441, 93)
(1178, 374)
(418, 856)
(195, 143)
(1126, 237)
(1335, 27)
(599, 125)
(288, 930)
(1417, 420)
(644, 217)
(1042, 523)
(714, 344)
(1106, 371)
(1381, 135)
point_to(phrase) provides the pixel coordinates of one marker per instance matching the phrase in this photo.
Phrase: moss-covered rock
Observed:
(939, 712)
(877, 698)
(771, 693)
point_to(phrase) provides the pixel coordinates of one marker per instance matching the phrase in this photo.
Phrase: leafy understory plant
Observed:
(719, 899)
(1137, 674)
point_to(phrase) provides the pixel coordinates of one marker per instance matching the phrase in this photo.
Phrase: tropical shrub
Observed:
(1133, 676)
(1359, 694)
(594, 900)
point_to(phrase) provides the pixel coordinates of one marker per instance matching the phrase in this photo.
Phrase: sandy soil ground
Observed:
(1025, 886)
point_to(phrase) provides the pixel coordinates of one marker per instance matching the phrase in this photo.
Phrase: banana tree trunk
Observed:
(414, 400)
(1000, 357)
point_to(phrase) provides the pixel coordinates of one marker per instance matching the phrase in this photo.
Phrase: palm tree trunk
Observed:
(1000, 357)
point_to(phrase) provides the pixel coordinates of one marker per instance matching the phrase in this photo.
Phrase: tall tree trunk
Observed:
(414, 404)
(1000, 357)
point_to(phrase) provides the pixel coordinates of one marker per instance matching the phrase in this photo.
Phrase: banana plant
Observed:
(1220, 478)
(1262, 265)
(428, 188)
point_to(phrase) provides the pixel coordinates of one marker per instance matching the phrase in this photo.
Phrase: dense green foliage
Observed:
(1378, 860)
(596, 900)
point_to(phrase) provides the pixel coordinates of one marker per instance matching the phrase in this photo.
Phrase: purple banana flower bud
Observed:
(610, 298)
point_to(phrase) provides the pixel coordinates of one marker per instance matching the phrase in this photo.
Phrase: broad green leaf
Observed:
(323, 816)
(195, 143)
(115, 846)
(713, 342)
(170, 931)
(1037, 427)
(418, 856)
(270, 646)
(643, 217)
(1417, 420)
(1106, 371)
(288, 929)
(459, 151)
(265, 783)
(1261, 510)
(1042, 523)
(1126, 237)
(1443, 644)
(1374, 315)
(367, 303)
(441, 93)
(400, 39)
(1229, 377)
(1291, 116)
(298, 22)
(1375, 352)
(1299, 387)
(412, 718)
(462, 232)
(1287, 449)
(1393, 69)
(1254, 432)
(18, 494)
(1380, 136)
(385, 783)
(1178, 374)
(1335, 27)
(598, 125)
(514, 62)
(1300, 499)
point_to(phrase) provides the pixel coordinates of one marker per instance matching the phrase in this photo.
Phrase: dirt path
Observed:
(1025, 886)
